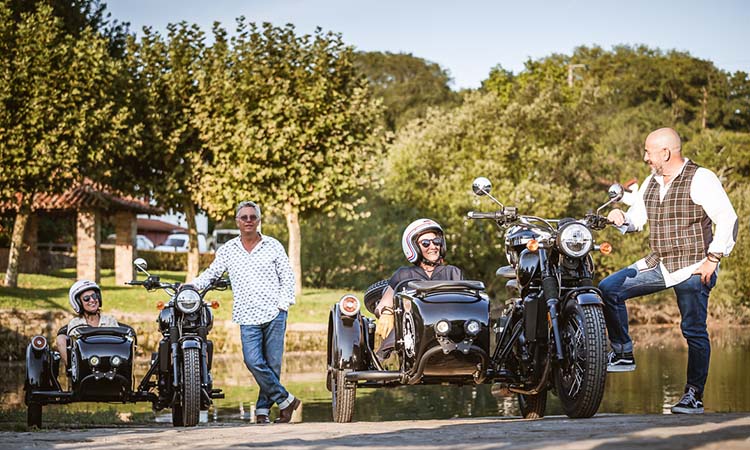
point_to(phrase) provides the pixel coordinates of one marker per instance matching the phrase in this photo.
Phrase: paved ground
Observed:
(710, 431)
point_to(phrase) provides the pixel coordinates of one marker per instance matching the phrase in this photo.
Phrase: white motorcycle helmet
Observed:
(412, 233)
(80, 286)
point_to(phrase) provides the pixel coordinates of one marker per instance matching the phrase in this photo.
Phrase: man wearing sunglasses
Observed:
(263, 290)
(85, 299)
(423, 244)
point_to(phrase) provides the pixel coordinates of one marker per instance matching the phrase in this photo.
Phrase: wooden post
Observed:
(125, 246)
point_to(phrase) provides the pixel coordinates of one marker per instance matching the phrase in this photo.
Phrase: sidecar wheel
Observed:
(34, 415)
(373, 295)
(342, 397)
(191, 387)
(533, 406)
(582, 374)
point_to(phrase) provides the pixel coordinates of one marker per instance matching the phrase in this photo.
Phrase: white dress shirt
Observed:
(705, 190)
(262, 280)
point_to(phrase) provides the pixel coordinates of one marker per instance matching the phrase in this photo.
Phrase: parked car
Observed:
(221, 237)
(178, 242)
(141, 242)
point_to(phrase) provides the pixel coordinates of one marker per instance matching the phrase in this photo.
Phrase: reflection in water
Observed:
(651, 389)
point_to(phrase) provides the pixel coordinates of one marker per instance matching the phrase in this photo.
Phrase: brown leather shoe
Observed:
(262, 419)
(285, 415)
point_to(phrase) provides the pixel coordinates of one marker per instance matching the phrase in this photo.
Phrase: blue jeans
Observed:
(263, 350)
(692, 299)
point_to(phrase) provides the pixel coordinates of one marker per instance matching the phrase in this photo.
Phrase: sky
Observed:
(468, 38)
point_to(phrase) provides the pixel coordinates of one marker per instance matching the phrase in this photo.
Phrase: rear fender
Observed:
(39, 370)
(345, 341)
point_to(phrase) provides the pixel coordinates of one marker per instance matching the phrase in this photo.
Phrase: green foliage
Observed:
(407, 84)
(287, 119)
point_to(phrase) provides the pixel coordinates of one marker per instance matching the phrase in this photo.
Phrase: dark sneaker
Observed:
(620, 362)
(690, 403)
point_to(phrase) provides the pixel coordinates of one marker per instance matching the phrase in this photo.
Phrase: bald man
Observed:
(682, 202)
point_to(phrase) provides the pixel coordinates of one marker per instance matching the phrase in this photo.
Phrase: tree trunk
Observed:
(704, 105)
(295, 238)
(193, 256)
(16, 244)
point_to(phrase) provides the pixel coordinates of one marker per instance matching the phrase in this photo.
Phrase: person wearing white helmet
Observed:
(86, 300)
(423, 244)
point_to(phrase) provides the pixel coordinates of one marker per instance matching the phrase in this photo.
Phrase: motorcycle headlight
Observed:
(575, 239)
(188, 301)
(115, 361)
(472, 327)
(94, 361)
(442, 327)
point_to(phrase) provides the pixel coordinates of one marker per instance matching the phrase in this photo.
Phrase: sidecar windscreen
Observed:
(433, 286)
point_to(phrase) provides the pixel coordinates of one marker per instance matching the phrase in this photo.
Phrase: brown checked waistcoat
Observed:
(680, 230)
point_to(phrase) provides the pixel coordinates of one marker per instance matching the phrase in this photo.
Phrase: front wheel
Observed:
(190, 407)
(34, 415)
(533, 406)
(342, 397)
(581, 375)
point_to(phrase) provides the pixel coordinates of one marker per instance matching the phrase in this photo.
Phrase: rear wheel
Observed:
(581, 375)
(34, 415)
(191, 387)
(342, 397)
(533, 406)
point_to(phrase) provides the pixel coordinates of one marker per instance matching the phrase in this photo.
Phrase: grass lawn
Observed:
(50, 292)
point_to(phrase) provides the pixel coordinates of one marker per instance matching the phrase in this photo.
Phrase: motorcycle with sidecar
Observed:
(101, 359)
(549, 337)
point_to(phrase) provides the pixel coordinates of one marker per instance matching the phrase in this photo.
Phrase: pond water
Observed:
(651, 389)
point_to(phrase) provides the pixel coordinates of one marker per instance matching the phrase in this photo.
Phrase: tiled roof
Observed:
(158, 225)
(86, 195)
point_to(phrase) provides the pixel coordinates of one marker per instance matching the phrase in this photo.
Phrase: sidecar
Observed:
(100, 369)
(441, 336)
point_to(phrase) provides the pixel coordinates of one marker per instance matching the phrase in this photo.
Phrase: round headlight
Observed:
(39, 342)
(442, 327)
(115, 361)
(472, 327)
(349, 305)
(575, 239)
(94, 361)
(188, 301)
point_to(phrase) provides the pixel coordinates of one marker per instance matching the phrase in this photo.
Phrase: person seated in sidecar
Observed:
(423, 244)
(86, 300)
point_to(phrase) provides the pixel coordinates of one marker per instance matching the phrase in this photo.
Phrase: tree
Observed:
(166, 77)
(58, 116)
(407, 84)
(293, 125)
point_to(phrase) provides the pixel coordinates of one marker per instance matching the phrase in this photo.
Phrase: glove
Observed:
(384, 325)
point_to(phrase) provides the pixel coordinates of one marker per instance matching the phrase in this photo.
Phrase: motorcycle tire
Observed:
(191, 387)
(581, 376)
(532, 406)
(373, 294)
(343, 397)
(34, 415)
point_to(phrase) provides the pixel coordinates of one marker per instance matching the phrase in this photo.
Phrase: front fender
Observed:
(585, 296)
(191, 342)
(345, 341)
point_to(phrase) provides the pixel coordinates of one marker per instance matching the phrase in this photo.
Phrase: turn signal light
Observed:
(605, 248)
(39, 342)
(532, 245)
(160, 305)
(215, 304)
(349, 305)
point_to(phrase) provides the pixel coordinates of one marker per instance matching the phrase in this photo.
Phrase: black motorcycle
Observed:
(551, 334)
(101, 360)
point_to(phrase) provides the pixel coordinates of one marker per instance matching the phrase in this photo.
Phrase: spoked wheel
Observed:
(34, 415)
(533, 406)
(342, 397)
(581, 375)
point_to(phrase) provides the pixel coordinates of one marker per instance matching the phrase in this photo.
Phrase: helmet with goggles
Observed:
(78, 288)
(412, 233)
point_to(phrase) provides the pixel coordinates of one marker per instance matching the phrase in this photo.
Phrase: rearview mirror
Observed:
(140, 264)
(616, 191)
(481, 186)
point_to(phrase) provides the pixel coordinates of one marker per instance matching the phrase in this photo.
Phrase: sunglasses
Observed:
(90, 297)
(247, 218)
(426, 242)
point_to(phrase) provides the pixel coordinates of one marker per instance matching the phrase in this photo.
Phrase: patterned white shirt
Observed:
(262, 280)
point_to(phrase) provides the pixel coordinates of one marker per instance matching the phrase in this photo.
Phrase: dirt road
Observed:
(710, 431)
